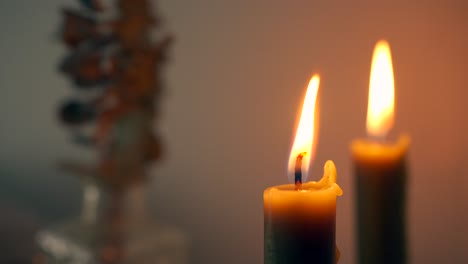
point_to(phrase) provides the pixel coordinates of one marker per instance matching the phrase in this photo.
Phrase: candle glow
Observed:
(380, 109)
(380, 172)
(305, 139)
(300, 218)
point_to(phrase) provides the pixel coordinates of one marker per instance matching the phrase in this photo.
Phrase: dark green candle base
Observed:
(381, 195)
(290, 241)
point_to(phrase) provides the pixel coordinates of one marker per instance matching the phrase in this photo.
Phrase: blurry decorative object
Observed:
(380, 172)
(115, 63)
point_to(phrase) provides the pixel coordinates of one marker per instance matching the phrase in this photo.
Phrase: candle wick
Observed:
(298, 171)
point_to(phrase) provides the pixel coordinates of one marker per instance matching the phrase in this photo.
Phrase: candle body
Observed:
(299, 225)
(380, 177)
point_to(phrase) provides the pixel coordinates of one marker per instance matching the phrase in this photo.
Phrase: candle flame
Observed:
(381, 92)
(304, 142)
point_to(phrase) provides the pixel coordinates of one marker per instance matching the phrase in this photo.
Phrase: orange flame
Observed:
(381, 92)
(304, 141)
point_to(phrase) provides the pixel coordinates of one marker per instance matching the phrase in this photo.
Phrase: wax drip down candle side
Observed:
(299, 218)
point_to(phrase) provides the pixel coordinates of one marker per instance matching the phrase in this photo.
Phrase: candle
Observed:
(380, 172)
(299, 218)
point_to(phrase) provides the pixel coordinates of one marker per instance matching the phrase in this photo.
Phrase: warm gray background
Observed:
(236, 78)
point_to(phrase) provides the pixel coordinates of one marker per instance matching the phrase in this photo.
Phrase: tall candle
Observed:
(380, 172)
(299, 218)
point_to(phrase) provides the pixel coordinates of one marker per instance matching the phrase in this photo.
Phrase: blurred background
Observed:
(236, 77)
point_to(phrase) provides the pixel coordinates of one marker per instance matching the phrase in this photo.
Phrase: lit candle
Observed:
(300, 217)
(380, 172)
